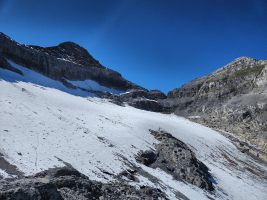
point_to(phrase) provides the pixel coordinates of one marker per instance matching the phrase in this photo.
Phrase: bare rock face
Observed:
(5, 65)
(156, 95)
(146, 104)
(233, 99)
(144, 99)
(68, 184)
(67, 60)
(174, 157)
(140, 98)
(143, 93)
(71, 52)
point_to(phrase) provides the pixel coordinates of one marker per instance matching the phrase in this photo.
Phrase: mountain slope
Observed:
(45, 124)
(233, 99)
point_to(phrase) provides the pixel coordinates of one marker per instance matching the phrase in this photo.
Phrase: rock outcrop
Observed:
(144, 99)
(174, 157)
(142, 93)
(67, 183)
(5, 65)
(140, 98)
(233, 99)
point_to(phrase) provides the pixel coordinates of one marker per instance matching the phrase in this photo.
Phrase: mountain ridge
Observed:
(39, 59)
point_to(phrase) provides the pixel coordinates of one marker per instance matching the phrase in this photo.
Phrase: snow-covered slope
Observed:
(44, 124)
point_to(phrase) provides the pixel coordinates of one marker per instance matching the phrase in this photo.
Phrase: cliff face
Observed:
(233, 99)
(67, 60)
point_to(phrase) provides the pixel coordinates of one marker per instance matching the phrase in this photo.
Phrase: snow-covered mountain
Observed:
(46, 124)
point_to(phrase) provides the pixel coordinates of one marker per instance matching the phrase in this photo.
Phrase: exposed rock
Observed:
(156, 95)
(139, 98)
(71, 52)
(174, 157)
(5, 65)
(146, 104)
(133, 94)
(129, 174)
(233, 99)
(10, 169)
(142, 93)
(68, 184)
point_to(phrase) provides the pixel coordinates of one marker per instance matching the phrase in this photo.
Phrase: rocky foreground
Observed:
(171, 155)
(67, 183)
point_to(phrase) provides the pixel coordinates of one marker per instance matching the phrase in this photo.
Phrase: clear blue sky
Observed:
(155, 43)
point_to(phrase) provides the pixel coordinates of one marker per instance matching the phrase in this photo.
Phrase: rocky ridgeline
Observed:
(233, 99)
(67, 60)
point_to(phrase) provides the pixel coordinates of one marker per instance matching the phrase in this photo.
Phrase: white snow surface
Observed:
(4, 174)
(48, 124)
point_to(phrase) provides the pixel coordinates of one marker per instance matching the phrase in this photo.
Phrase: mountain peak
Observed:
(73, 49)
(70, 44)
(66, 60)
(71, 52)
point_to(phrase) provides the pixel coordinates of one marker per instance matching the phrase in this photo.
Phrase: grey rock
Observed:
(142, 93)
(5, 65)
(9, 168)
(71, 52)
(174, 157)
(68, 184)
(146, 104)
(156, 95)
(139, 98)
